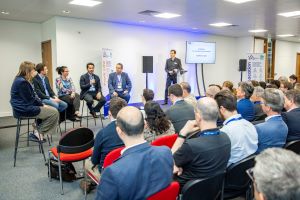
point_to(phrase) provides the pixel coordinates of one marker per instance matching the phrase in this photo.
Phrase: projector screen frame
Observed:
(186, 46)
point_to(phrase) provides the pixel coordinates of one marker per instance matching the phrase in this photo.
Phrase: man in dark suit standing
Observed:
(181, 111)
(119, 83)
(44, 91)
(142, 170)
(292, 116)
(91, 89)
(173, 65)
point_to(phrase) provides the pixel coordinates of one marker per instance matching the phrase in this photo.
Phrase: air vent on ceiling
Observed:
(149, 12)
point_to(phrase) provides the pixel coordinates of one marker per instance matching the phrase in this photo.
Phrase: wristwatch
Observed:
(181, 136)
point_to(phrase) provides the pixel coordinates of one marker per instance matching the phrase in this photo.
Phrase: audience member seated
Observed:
(66, 92)
(208, 152)
(255, 83)
(148, 95)
(293, 79)
(244, 106)
(187, 96)
(181, 111)
(228, 85)
(107, 138)
(282, 78)
(142, 170)
(276, 83)
(297, 86)
(156, 122)
(212, 91)
(285, 86)
(25, 103)
(44, 91)
(276, 175)
(242, 133)
(292, 116)
(256, 99)
(273, 132)
(91, 90)
(262, 84)
(119, 83)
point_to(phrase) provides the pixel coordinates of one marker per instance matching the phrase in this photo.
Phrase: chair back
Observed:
(112, 156)
(76, 141)
(167, 140)
(169, 193)
(236, 177)
(293, 146)
(210, 188)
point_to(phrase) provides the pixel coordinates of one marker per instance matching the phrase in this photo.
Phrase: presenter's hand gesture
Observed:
(170, 72)
(115, 94)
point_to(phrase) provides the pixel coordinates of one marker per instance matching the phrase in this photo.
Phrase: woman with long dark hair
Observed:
(157, 124)
(66, 92)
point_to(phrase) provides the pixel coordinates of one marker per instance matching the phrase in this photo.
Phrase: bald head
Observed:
(130, 120)
(208, 109)
(212, 91)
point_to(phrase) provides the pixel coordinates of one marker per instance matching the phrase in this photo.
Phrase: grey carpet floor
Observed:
(29, 179)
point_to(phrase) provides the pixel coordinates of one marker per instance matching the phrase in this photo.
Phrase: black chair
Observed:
(87, 116)
(210, 188)
(293, 146)
(75, 145)
(237, 182)
(19, 135)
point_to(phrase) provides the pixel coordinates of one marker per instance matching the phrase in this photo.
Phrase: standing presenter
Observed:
(173, 66)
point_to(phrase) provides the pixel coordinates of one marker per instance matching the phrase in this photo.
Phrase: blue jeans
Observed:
(61, 106)
(126, 96)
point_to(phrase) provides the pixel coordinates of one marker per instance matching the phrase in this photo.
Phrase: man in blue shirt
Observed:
(244, 106)
(242, 133)
(273, 132)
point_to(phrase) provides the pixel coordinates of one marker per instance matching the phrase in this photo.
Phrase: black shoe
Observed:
(94, 114)
(33, 138)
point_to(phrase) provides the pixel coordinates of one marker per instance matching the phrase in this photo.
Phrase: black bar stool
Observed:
(87, 116)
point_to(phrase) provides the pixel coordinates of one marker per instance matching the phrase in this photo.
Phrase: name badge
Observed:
(119, 86)
(175, 63)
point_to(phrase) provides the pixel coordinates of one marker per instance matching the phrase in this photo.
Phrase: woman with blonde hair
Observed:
(228, 85)
(25, 102)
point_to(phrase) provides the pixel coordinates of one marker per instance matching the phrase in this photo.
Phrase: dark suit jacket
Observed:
(23, 99)
(39, 87)
(292, 120)
(106, 140)
(171, 65)
(85, 84)
(141, 171)
(180, 113)
(113, 81)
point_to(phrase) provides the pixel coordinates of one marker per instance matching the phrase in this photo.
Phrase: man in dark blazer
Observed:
(91, 89)
(181, 111)
(173, 66)
(44, 91)
(292, 116)
(119, 83)
(142, 170)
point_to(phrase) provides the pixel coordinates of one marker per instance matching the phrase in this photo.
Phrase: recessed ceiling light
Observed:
(4, 12)
(66, 11)
(89, 3)
(258, 31)
(285, 35)
(167, 15)
(290, 14)
(239, 1)
(220, 24)
(194, 28)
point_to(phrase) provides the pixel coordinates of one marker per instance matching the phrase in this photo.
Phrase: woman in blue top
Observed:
(244, 106)
(66, 92)
(25, 102)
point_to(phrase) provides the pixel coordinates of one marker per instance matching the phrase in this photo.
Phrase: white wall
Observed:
(285, 58)
(244, 46)
(19, 41)
(81, 41)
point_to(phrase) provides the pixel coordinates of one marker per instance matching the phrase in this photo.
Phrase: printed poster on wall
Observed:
(106, 69)
(256, 66)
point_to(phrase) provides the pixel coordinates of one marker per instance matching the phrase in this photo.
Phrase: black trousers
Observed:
(73, 104)
(89, 97)
(170, 79)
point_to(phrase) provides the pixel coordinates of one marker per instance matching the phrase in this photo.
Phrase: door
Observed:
(298, 66)
(47, 59)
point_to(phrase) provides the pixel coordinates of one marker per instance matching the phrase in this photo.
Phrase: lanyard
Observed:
(207, 133)
(233, 119)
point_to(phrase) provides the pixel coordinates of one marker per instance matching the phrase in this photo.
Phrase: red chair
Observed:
(75, 145)
(167, 140)
(169, 193)
(109, 159)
